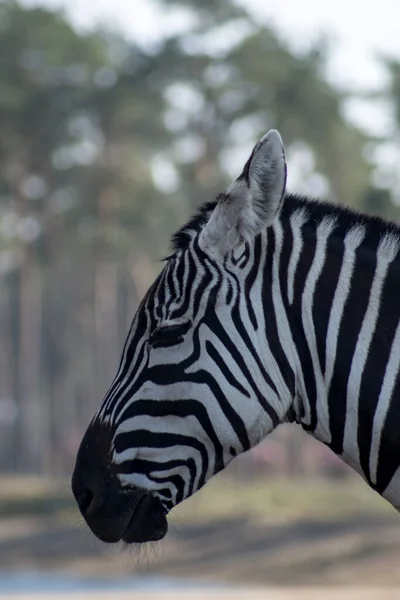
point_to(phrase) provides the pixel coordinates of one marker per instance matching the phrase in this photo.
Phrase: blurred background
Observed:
(117, 119)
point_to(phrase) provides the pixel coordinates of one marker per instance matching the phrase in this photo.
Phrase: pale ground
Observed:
(333, 537)
(246, 594)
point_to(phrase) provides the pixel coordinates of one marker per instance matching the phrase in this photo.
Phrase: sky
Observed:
(360, 31)
(361, 28)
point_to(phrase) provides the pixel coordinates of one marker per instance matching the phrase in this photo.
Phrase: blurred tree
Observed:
(42, 75)
(388, 145)
(105, 147)
(235, 79)
(68, 108)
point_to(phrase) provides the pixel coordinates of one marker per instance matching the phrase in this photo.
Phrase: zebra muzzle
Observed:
(113, 512)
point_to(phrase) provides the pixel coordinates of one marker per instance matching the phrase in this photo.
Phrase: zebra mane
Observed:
(181, 238)
(345, 218)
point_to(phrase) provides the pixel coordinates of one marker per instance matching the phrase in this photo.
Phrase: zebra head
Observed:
(198, 383)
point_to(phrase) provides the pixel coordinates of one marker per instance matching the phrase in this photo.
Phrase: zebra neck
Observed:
(339, 279)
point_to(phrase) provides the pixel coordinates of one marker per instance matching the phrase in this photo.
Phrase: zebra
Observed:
(271, 308)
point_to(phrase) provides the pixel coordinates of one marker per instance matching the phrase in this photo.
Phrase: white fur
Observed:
(352, 241)
(387, 251)
(385, 397)
(324, 230)
(297, 221)
(250, 206)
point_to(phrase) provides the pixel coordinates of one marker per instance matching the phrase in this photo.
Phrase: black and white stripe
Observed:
(271, 308)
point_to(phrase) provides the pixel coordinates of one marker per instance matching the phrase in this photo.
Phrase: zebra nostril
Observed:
(89, 492)
(85, 500)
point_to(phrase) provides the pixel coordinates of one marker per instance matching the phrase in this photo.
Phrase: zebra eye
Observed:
(169, 335)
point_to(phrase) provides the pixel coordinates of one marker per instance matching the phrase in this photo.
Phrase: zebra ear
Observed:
(252, 202)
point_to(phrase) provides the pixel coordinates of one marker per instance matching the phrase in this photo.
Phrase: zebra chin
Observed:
(148, 522)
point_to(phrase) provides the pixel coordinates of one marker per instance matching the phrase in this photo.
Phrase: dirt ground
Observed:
(363, 551)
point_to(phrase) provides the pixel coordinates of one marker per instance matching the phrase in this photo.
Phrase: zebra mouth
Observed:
(148, 522)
